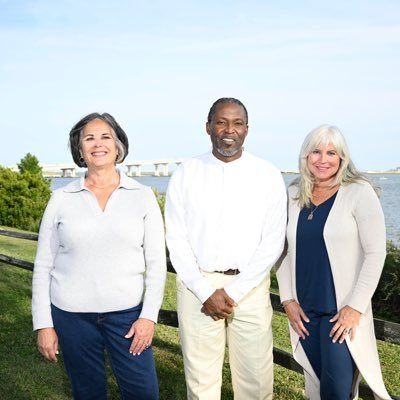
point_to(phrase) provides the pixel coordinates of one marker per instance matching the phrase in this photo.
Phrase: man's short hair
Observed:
(224, 100)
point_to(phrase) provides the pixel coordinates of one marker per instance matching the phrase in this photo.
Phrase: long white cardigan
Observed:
(355, 239)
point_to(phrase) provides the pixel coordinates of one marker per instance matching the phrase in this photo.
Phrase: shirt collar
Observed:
(124, 182)
(128, 183)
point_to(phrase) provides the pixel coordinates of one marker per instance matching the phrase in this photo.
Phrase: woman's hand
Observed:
(296, 317)
(142, 331)
(47, 342)
(346, 323)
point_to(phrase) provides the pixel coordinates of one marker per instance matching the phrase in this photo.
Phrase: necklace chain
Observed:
(100, 187)
(324, 198)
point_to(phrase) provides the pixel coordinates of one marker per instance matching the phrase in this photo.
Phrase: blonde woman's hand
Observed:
(47, 342)
(296, 317)
(346, 323)
(142, 331)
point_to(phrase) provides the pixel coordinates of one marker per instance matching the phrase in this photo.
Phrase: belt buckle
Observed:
(231, 272)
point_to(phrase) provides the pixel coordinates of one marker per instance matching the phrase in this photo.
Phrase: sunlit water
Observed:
(389, 185)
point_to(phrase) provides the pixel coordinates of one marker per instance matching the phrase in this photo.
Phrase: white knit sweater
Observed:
(90, 260)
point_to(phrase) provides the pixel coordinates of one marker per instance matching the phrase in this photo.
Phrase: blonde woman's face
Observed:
(323, 163)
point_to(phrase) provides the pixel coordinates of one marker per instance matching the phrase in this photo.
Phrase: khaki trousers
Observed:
(247, 333)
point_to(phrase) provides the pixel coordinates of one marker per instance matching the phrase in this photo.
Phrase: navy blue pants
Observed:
(332, 362)
(84, 337)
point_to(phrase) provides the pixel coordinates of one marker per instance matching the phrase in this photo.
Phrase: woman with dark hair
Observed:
(100, 269)
(336, 247)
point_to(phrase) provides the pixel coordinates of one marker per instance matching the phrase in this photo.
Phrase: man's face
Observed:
(228, 130)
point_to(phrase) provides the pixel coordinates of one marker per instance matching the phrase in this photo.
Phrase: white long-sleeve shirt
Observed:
(222, 216)
(90, 260)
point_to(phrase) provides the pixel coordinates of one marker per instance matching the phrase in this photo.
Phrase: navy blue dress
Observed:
(332, 362)
(314, 281)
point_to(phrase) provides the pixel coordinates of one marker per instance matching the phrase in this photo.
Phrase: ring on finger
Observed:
(346, 331)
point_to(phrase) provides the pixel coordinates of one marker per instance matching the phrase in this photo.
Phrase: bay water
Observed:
(389, 185)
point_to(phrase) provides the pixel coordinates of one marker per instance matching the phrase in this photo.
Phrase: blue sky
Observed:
(157, 66)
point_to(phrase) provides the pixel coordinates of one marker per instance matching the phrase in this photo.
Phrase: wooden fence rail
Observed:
(384, 330)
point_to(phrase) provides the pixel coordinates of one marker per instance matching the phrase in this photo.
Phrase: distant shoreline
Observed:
(364, 172)
(382, 172)
(149, 173)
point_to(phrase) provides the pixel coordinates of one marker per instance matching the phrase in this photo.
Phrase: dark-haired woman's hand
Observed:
(142, 331)
(47, 342)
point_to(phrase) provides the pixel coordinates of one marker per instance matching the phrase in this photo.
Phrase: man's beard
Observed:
(228, 153)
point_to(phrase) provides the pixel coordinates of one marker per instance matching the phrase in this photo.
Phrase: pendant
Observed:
(310, 216)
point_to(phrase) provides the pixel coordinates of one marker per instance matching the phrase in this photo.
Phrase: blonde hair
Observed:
(347, 172)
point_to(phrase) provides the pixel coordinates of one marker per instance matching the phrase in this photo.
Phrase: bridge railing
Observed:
(134, 168)
(384, 330)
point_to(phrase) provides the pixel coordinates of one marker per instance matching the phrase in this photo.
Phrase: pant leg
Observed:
(203, 343)
(337, 366)
(332, 362)
(82, 347)
(250, 346)
(136, 375)
(312, 343)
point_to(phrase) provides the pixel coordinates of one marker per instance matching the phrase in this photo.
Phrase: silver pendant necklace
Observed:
(311, 215)
(322, 199)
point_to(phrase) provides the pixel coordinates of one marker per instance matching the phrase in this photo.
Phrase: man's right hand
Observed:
(219, 305)
(47, 341)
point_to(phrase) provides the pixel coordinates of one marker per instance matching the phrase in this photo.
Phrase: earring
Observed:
(81, 159)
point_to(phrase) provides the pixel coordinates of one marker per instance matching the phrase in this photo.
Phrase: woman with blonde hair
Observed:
(336, 248)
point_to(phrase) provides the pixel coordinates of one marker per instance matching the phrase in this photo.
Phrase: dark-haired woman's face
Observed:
(323, 162)
(98, 144)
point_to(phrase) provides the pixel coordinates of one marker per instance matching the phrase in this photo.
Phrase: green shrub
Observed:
(30, 163)
(160, 199)
(23, 198)
(386, 300)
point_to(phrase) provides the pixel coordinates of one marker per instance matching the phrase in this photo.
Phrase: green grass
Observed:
(26, 375)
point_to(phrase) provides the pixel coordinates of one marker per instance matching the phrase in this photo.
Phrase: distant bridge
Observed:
(134, 168)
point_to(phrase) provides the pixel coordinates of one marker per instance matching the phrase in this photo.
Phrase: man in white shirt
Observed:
(226, 217)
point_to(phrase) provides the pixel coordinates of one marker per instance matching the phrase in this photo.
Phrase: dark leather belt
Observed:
(229, 272)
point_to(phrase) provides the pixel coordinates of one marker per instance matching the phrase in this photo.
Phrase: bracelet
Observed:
(287, 302)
